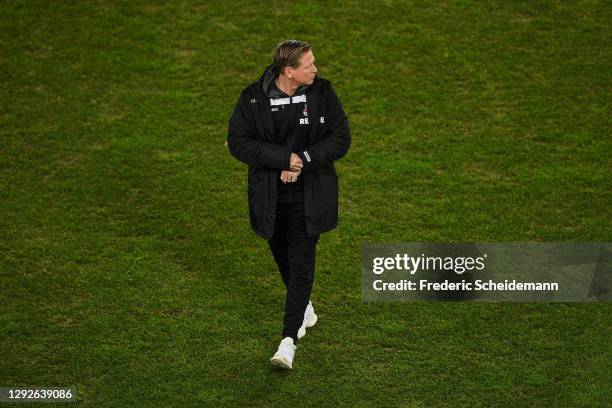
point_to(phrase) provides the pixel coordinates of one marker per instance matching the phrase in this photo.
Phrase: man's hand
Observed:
(295, 163)
(288, 176)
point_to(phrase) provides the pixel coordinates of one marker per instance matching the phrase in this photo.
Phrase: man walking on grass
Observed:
(290, 127)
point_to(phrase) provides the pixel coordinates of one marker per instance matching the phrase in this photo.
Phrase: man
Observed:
(290, 127)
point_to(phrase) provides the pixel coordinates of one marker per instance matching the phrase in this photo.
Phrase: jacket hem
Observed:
(322, 230)
(261, 234)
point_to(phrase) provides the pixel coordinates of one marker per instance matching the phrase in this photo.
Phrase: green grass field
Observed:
(128, 266)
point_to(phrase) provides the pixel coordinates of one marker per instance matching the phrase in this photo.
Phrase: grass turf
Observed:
(128, 267)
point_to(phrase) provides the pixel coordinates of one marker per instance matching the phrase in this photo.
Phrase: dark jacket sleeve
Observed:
(243, 144)
(337, 141)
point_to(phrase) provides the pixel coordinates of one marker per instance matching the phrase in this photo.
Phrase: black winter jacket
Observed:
(251, 140)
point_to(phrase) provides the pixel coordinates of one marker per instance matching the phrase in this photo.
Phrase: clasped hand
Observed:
(295, 166)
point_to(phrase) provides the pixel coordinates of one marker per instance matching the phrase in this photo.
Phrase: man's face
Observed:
(305, 73)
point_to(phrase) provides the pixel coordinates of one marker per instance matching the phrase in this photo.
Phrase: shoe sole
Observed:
(310, 323)
(279, 362)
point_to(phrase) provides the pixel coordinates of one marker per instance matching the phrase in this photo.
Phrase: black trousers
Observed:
(294, 253)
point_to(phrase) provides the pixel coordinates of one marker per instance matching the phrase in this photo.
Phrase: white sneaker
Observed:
(284, 356)
(310, 319)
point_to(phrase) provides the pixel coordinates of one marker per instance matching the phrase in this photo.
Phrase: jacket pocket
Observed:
(324, 201)
(258, 204)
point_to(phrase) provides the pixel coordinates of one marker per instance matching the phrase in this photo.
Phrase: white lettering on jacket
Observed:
(298, 99)
(286, 101)
(280, 101)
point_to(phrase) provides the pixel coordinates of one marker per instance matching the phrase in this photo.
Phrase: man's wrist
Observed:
(288, 167)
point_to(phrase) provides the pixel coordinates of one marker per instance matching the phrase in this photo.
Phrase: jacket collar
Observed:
(266, 82)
